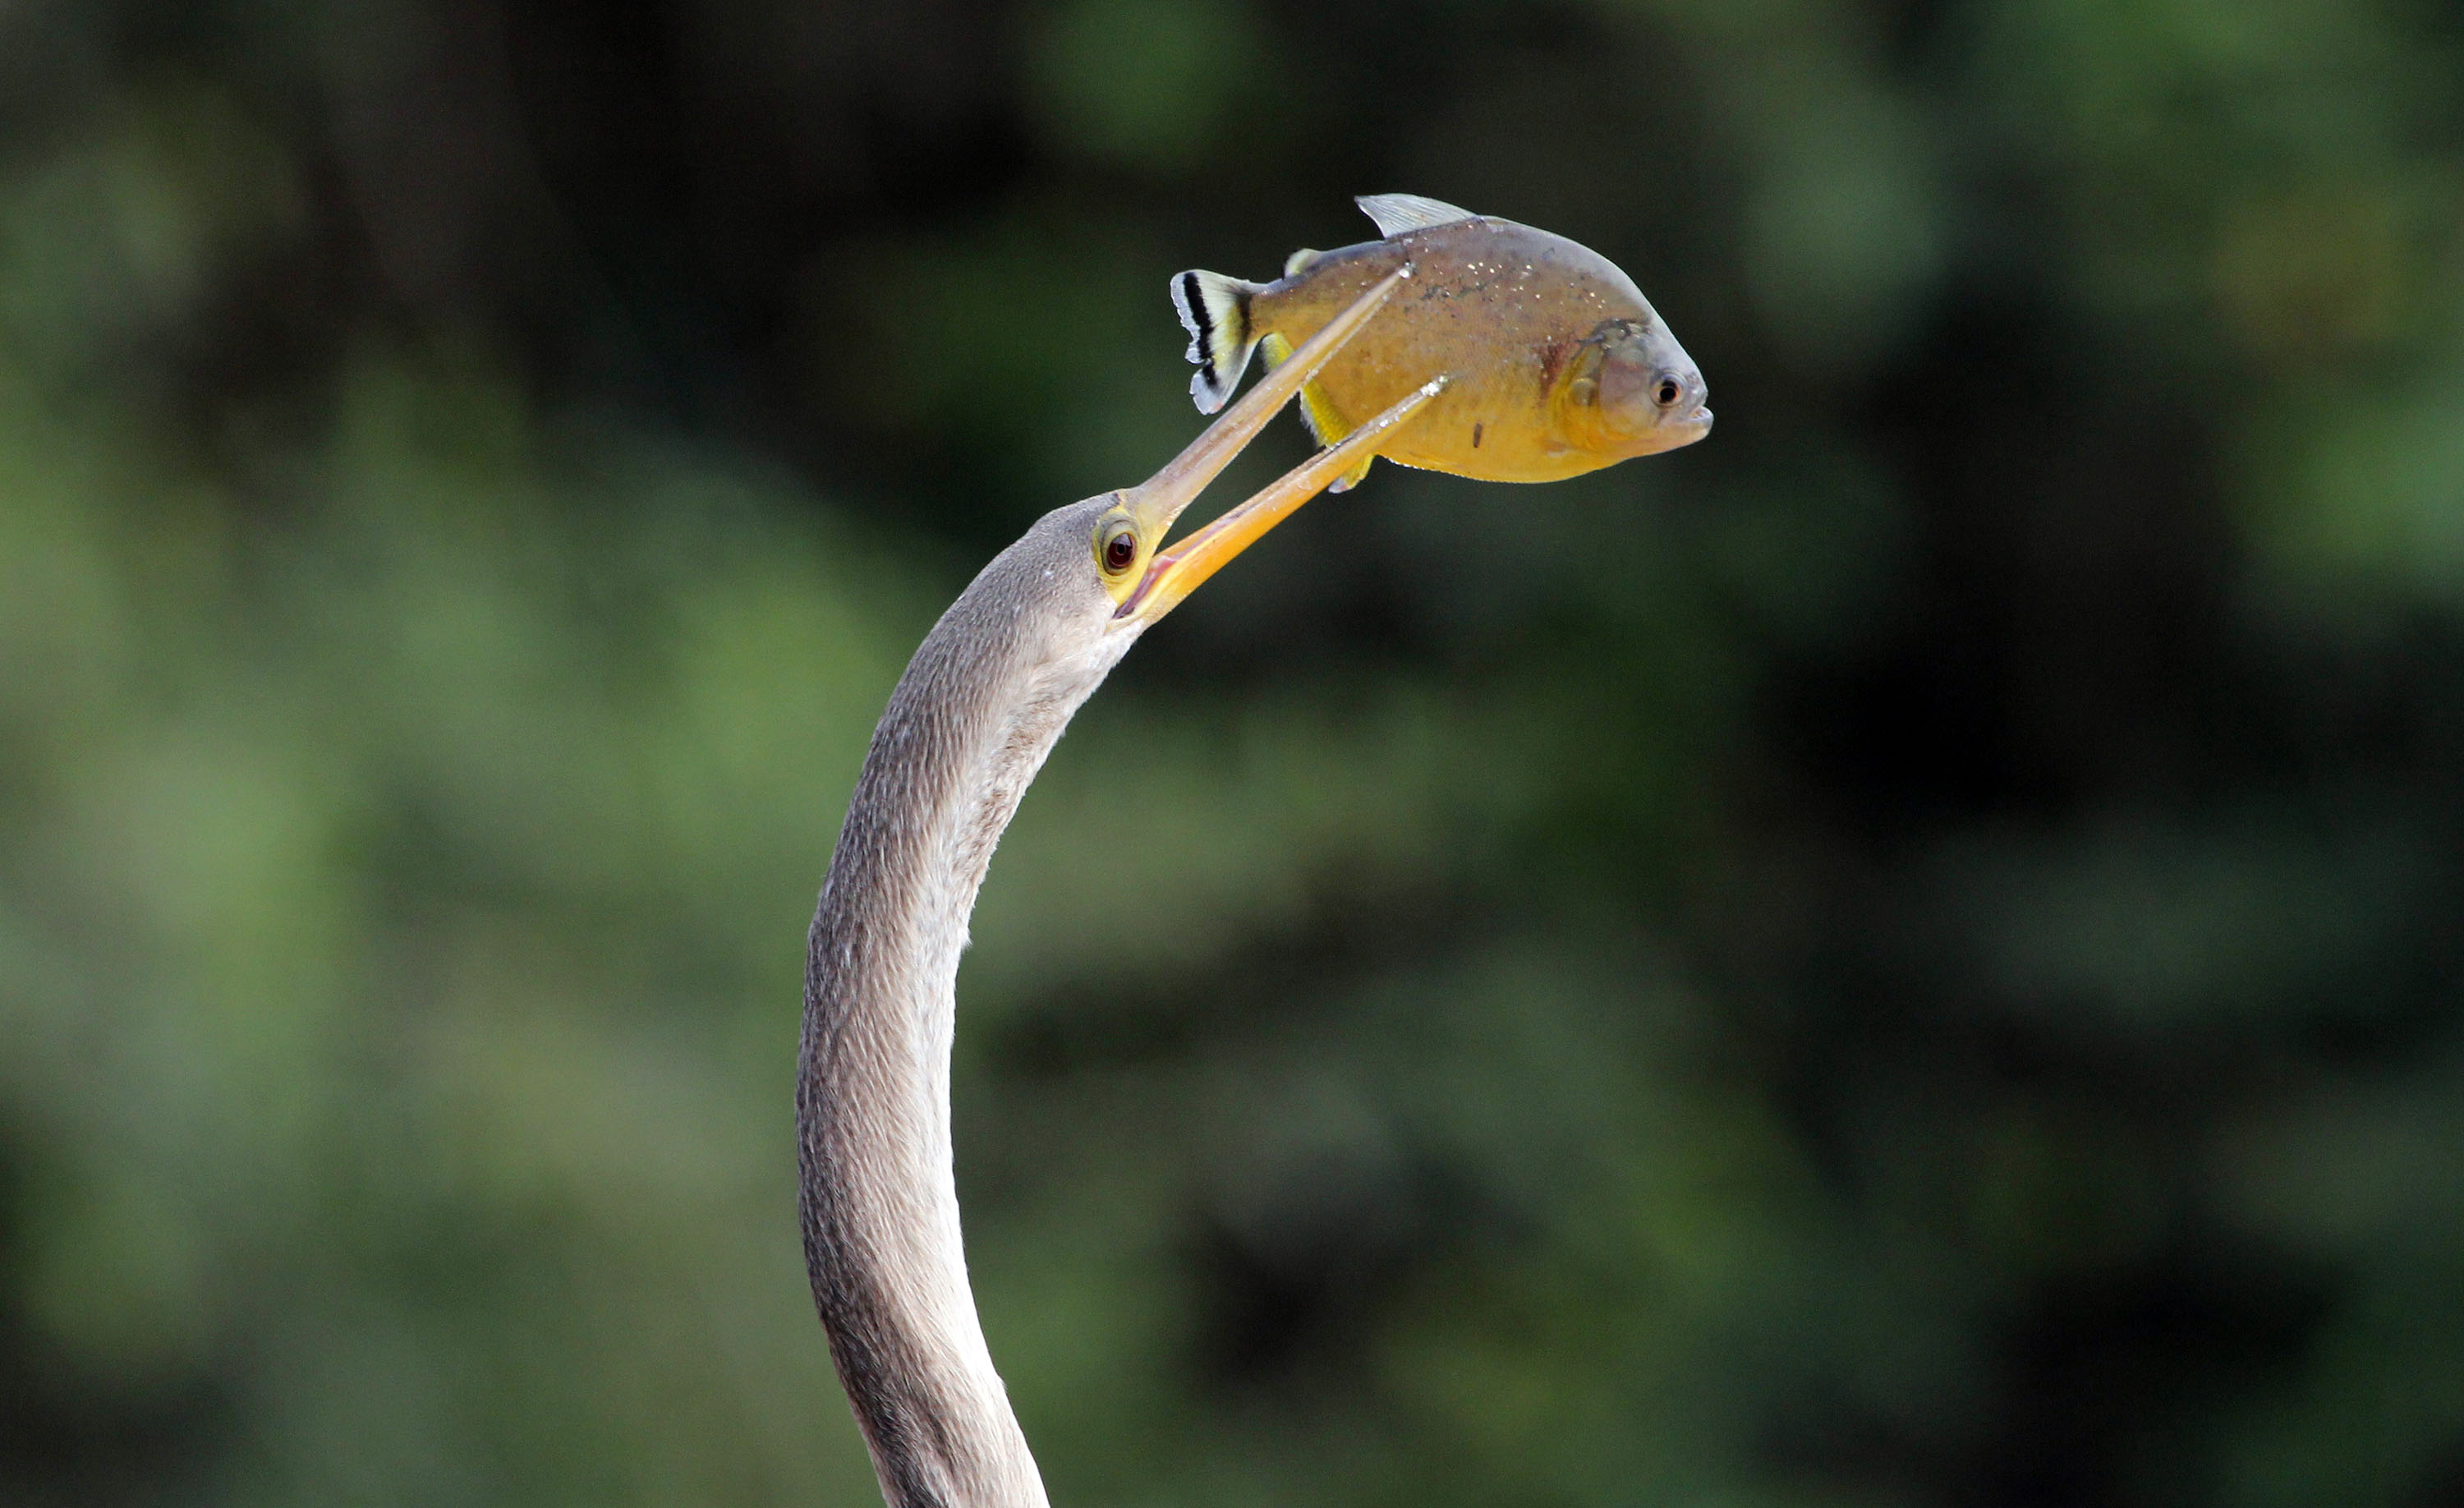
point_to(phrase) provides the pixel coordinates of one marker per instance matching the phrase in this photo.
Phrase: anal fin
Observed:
(1326, 422)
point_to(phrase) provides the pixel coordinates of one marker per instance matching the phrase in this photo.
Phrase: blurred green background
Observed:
(1908, 954)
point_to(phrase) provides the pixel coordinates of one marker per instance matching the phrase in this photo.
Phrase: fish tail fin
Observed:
(1326, 424)
(1215, 309)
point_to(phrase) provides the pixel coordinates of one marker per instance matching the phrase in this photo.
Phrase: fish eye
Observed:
(1669, 392)
(1116, 547)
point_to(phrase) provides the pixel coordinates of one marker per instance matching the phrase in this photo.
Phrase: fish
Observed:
(1556, 364)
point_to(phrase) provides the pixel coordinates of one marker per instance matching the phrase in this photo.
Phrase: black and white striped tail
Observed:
(1215, 309)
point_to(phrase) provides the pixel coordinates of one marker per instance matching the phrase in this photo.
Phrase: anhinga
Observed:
(980, 705)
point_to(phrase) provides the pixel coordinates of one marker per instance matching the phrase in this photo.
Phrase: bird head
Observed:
(1048, 619)
(1146, 579)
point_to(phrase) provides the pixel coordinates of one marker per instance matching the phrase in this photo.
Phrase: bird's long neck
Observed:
(964, 733)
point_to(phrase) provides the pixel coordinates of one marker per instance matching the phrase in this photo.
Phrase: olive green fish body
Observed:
(1557, 365)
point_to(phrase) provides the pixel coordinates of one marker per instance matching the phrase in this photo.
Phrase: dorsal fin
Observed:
(1397, 213)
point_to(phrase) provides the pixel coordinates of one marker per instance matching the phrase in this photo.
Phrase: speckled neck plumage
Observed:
(980, 705)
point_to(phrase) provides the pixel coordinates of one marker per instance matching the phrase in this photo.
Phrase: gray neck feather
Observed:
(980, 705)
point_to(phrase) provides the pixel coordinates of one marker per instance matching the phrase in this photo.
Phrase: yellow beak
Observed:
(1173, 574)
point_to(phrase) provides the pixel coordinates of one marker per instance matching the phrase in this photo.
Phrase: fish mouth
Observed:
(1676, 435)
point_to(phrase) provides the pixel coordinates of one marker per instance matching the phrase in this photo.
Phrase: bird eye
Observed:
(1118, 549)
(1669, 392)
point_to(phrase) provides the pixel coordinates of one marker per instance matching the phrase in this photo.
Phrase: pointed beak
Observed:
(1179, 571)
(1173, 573)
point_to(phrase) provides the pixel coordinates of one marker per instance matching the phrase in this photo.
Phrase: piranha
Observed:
(1557, 363)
